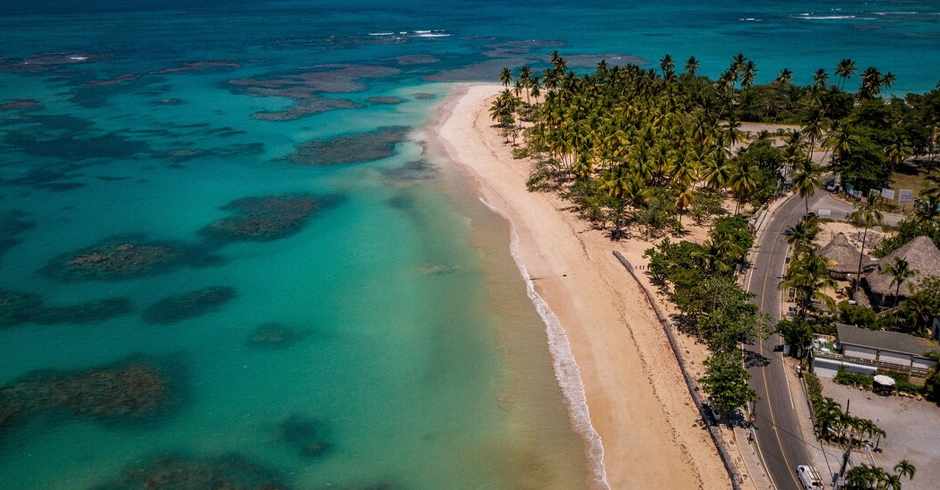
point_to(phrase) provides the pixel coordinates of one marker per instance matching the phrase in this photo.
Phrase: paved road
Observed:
(778, 432)
(840, 210)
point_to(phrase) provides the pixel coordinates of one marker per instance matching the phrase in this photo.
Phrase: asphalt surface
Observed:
(778, 432)
(779, 437)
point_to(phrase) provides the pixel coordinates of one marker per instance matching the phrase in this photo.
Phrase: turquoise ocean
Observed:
(224, 257)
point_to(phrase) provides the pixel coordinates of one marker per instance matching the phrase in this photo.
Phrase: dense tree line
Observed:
(641, 148)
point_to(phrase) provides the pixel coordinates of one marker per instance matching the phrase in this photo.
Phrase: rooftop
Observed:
(842, 256)
(890, 341)
(922, 256)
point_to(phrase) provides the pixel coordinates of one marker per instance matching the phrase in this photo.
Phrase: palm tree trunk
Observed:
(858, 277)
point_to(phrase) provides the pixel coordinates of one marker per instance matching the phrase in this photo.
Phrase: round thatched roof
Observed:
(921, 255)
(842, 256)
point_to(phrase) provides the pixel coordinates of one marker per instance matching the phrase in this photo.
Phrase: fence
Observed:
(723, 451)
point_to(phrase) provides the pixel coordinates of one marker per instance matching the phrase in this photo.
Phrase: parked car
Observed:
(809, 477)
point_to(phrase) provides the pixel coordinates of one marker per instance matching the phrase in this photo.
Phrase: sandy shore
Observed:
(638, 403)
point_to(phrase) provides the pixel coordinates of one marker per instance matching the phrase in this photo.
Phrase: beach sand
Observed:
(651, 432)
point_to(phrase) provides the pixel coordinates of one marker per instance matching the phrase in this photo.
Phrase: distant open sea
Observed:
(223, 256)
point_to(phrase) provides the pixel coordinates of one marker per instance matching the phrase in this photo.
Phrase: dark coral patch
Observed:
(173, 309)
(21, 105)
(413, 171)
(137, 389)
(266, 218)
(126, 257)
(229, 472)
(425, 96)
(304, 88)
(350, 148)
(199, 66)
(18, 308)
(275, 336)
(385, 100)
(305, 435)
(12, 224)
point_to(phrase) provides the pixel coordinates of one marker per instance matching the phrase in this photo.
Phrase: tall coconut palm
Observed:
(905, 468)
(525, 77)
(802, 233)
(900, 271)
(866, 215)
(667, 65)
(845, 69)
(505, 77)
(785, 77)
(827, 416)
(808, 274)
(898, 151)
(748, 73)
(805, 180)
(820, 78)
(742, 179)
(888, 80)
(691, 66)
(871, 84)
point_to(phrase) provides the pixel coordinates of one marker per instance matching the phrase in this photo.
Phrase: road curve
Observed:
(778, 432)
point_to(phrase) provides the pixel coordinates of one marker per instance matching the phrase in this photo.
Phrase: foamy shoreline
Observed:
(624, 387)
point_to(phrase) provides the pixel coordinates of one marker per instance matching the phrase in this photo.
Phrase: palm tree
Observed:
(667, 65)
(691, 66)
(871, 84)
(809, 275)
(925, 208)
(785, 76)
(625, 187)
(505, 77)
(899, 271)
(525, 77)
(742, 179)
(802, 233)
(827, 416)
(888, 80)
(845, 69)
(898, 151)
(748, 72)
(866, 215)
(905, 468)
(820, 79)
(805, 180)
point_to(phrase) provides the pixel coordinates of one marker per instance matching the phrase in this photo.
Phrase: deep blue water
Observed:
(131, 135)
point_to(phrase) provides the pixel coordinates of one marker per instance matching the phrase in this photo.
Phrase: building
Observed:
(867, 351)
(921, 255)
(843, 258)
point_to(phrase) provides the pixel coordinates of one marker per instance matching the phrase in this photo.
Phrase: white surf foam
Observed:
(565, 366)
(381, 33)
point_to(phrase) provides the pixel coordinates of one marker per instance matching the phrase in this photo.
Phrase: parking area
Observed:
(913, 429)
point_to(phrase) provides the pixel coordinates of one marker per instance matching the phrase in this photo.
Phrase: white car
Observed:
(809, 477)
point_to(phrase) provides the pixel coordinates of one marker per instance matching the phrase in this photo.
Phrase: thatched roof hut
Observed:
(921, 255)
(843, 257)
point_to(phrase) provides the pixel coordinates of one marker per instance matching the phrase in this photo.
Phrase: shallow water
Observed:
(410, 340)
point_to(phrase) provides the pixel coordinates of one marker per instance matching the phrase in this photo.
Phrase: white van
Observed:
(809, 478)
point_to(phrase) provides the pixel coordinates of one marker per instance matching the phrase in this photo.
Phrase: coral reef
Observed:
(350, 148)
(266, 218)
(305, 435)
(173, 309)
(17, 308)
(12, 224)
(175, 472)
(134, 389)
(275, 336)
(304, 88)
(385, 100)
(125, 257)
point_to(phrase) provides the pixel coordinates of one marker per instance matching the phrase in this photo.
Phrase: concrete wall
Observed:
(895, 358)
(924, 363)
(859, 352)
(828, 368)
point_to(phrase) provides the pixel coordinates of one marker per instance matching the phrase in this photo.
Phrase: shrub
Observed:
(856, 380)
